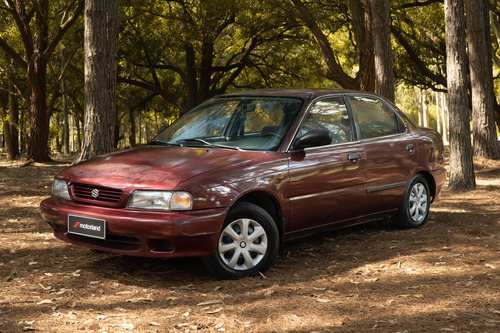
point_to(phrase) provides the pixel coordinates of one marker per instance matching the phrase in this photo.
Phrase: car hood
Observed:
(152, 167)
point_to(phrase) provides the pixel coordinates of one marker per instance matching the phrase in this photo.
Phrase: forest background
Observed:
(437, 60)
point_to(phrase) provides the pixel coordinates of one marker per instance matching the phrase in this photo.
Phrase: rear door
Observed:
(327, 182)
(390, 150)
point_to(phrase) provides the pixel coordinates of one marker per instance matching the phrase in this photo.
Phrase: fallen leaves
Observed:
(211, 302)
(76, 290)
(148, 298)
(45, 301)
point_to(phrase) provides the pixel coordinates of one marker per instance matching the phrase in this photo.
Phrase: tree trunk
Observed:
(481, 76)
(362, 27)
(78, 132)
(116, 134)
(22, 131)
(131, 136)
(425, 109)
(438, 115)
(381, 37)
(420, 108)
(38, 149)
(445, 117)
(10, 131)
(100, 53)
(207, 58)
(461, 165)
(65, 108)
(191, 78)
(7, 141)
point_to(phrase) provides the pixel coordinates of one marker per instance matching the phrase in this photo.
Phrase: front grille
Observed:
(105, 196)
(115, 242)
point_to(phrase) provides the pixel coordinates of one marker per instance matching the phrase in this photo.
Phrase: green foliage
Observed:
(175, 54)
(422, 29)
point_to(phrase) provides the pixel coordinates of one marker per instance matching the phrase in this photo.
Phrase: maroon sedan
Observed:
(237, 176)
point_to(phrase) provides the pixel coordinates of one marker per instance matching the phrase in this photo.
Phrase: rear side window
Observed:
(330, 115)
(375, 119)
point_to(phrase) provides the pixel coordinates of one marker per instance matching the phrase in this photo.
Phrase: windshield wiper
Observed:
(163, 143)
(206, 143)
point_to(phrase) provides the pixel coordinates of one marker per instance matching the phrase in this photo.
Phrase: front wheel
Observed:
(414, 210)
(247, 244)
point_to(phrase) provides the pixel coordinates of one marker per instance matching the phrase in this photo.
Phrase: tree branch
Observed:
(64, 28)
(334, 70)
(13, 54)
(417, 3)
(416, 59)
(158, 91)
(18, 12)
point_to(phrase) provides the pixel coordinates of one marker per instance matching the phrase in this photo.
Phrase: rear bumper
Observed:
(439, 179)
(140, 233)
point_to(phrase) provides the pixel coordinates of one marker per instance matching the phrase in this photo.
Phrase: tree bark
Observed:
(11, 133)
(461, 165)
(420, 108)
(65, 108)
(425, 109)
(445, 118)
(38, 149)
(483, 96)
(381, 36)
(132, 132)
(100, 52)
(438, 113)
(362, 16)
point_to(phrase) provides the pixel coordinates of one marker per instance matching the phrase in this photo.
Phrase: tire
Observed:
(239, 253)
(414, 209)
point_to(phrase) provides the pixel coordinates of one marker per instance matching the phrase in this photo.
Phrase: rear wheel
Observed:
(415, 207)
(248, 243)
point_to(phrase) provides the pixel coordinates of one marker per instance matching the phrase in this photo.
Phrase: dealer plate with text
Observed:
(86, 226)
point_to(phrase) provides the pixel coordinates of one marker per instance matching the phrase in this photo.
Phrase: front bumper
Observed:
(140, 233)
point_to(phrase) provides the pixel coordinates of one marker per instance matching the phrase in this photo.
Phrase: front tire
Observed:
(414, 210)
(248, 243)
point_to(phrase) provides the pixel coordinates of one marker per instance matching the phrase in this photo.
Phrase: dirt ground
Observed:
(444, 277)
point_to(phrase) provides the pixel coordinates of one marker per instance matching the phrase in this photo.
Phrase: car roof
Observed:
(303, 93)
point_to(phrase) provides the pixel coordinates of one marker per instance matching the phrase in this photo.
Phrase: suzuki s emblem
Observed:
(95, 193)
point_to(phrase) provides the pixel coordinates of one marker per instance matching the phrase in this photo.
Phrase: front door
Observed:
(327, 182)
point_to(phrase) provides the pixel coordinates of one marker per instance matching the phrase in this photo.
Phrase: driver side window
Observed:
(330, 115)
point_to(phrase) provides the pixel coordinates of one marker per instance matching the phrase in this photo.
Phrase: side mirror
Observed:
(313, 138)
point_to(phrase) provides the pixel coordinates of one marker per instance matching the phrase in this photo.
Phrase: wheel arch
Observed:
(430, 181)
(270, 204)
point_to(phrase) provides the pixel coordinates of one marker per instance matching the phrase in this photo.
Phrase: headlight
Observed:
(60, 189)
(161, 200)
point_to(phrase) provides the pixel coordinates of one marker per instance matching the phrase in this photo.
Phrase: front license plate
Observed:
(86, 226)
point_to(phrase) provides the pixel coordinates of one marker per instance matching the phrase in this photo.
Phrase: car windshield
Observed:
(243, 123)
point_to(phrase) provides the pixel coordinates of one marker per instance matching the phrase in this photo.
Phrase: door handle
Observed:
(354, 157)
(410, 147)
